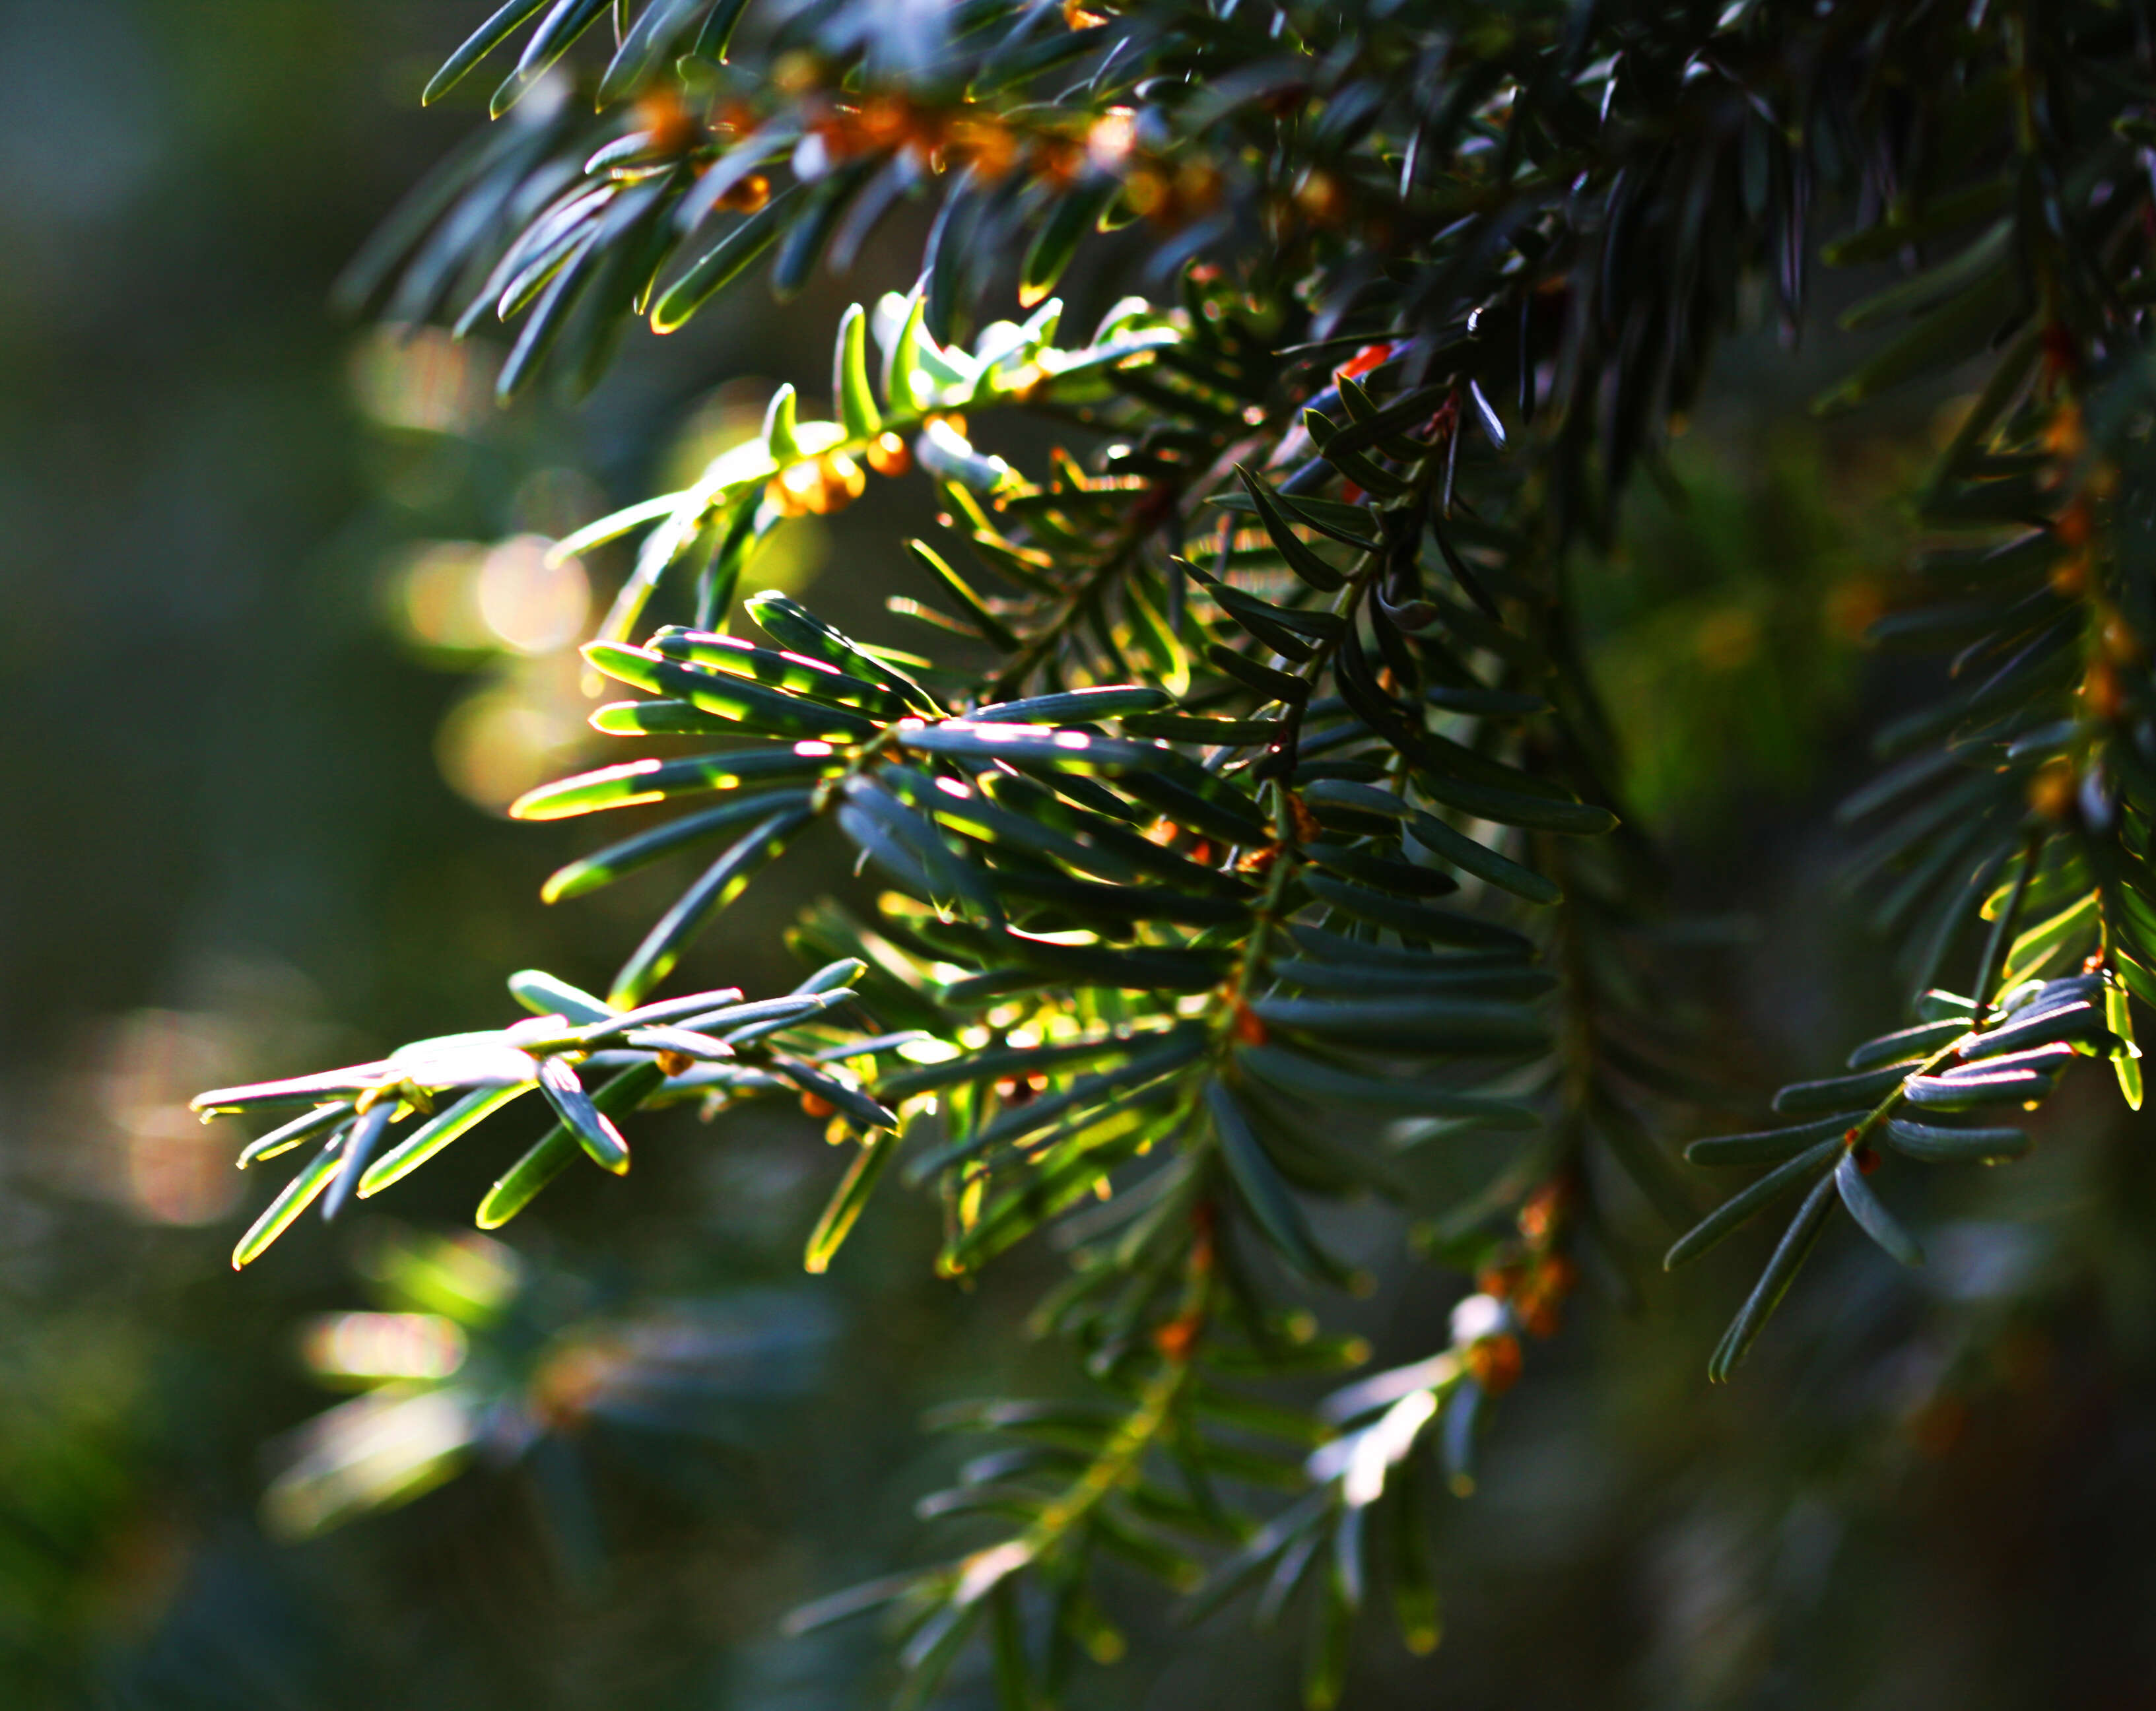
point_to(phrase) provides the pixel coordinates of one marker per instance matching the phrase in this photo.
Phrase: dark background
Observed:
(235, 730)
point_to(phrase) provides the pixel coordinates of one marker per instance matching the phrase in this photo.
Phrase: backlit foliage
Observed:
(1247, 822)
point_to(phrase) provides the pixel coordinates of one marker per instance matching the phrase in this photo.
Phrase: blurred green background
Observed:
(277, 641)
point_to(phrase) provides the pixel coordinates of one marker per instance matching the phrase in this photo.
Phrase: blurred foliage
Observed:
(331, 646)
(1728, 617)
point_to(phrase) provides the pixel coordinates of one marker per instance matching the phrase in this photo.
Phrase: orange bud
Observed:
(986, 144)
(2100, 690)
(2051, 791)
(2064, 435)
(1539, 1216)
(2069, 577)
(888, 456)
(839, 482)
(1248, 1028)
(1852, 608)
(748, 196)
(671, 126)
(1176, 1338)
(816, 1105)
(1320, 197)
(1150, 196)
(885, 121)
(787, 492)
(1197, 186)
(674, 1063)
(2075, 525)
(2121, 646)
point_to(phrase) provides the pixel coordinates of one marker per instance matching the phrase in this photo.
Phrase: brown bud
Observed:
(1498, 1281)
(2062, 355)
(1936, 1427)
(1055, 161)
(1307, 830)
(1853, 607)
(1495, 1362)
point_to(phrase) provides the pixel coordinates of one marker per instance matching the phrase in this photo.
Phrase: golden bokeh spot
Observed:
(1728, 638)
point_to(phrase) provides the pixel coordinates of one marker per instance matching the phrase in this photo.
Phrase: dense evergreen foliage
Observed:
(1249, 827)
